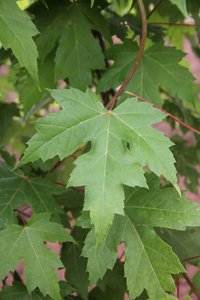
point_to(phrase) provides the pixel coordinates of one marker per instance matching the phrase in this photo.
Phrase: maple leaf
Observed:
(159, 67)
(75, 264)
(27, 243)
(184, 243)
(75, 43)
(97, 263)
(19, 292)
(196, 280)
(16, 32)
(181, 4)
(17, 190)
(145, 253)
(161, 207)
(123, 142)
(68, 27)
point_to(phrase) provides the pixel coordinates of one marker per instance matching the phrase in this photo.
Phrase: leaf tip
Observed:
(178, 190)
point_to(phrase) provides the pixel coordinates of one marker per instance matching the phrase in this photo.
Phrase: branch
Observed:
(172, 24)
(190, 258)
(192, 286)
(137, 60)
(166, 112)
(178, 287)
(59, 162)
(55, 166)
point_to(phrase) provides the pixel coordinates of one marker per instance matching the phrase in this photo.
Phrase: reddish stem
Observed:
(166, 112)
(192, 286)
(22, 213)
(58, 163)
(59, 183)
(139, 56)
(73, 156)
(55, 166)
(190, 258)
(172, 24)
(178, 287)
(26, 206)
(79, 190)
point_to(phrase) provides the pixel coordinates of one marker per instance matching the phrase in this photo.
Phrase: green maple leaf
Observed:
(121, 7)
(123, 142)
(184, 243)
(97, 263)
(181, 4)
(27, 243)
(69, 29)
(74, 45)
(149, 261)
(19, 292)
(75, 264)
(159, 67)
(17, 190)
(16, 32)
(196, 280)
(161, 208)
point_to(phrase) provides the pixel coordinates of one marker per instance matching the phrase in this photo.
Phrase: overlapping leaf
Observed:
(75, 264)
(148, 260)
(103, 259)
(159, 67)
(68, 28)
(17, 190)
(16, 32)
(29, 93)
(19, 292)
(113, 285)
(27, 243)
(184, 243)
(196, 280)
(181, 4)
(123, 142)
(161, 208)
(121, 7)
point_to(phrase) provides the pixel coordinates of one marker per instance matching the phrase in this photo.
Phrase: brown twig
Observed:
(22, 213)
(172, 24)
(139, 56)
(59, 162)
(60, 183)
(73, 156)
(192, 286)
(178, 287)
(80, 190)
(55, 166)
(191, 258)
(166, 112)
